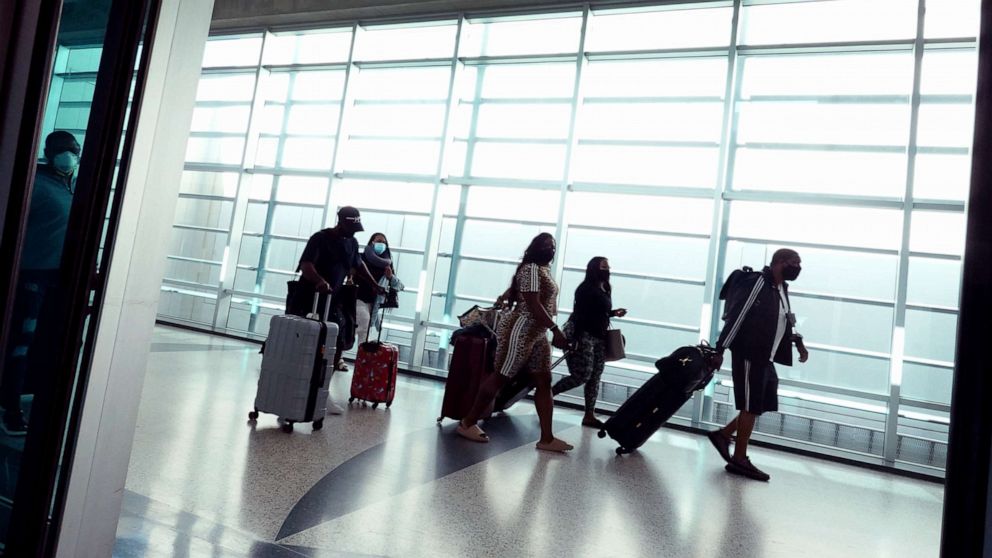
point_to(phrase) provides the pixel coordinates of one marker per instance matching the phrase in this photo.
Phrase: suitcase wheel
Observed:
(287, 427)
(351, 400)
(439, 419)
(388, 404)
(253, 415)
(622, 450)
(318, 424)
(375, 405)
(602, 434)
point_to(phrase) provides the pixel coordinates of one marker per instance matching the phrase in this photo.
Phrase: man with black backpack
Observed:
(759, 329)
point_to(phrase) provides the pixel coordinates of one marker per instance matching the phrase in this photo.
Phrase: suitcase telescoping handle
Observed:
(382, 322)
(313, 315)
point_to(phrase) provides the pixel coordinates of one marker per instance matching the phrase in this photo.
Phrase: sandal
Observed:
(473, 433)
(555, 445)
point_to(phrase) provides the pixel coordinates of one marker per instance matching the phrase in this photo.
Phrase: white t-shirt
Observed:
(783, 321)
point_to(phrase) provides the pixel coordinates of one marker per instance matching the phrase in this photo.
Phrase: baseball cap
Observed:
(352, 217)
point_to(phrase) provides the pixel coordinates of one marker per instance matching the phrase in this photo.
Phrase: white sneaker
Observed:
(333, 408)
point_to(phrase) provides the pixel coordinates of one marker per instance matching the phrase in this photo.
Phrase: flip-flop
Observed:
(473, 433)
(555, 445)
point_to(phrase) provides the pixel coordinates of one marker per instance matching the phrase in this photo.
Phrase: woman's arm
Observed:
(545, 320)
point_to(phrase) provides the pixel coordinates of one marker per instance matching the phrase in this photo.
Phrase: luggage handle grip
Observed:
(313, 315)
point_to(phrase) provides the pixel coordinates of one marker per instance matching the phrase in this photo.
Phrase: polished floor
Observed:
(203, 481)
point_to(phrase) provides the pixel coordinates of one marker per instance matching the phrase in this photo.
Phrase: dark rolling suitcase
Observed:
(679, 375)
(471, 364)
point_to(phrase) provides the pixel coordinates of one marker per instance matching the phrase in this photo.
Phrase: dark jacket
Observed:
(751, 318)
(592, 310)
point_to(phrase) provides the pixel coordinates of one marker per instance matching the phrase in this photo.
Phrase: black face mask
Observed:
(791, 272)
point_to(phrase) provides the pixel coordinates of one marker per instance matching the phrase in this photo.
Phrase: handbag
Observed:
(392, 299)
(615, 345)
(478, 315)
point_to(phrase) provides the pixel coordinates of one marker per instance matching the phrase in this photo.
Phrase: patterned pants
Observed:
(585, 365)
(520, 344)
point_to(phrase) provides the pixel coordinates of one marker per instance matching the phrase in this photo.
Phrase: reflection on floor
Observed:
(205, 482)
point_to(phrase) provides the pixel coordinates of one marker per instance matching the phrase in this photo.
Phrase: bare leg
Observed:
(544, 402)
(745, 426)
(484, 399)
(728, 431)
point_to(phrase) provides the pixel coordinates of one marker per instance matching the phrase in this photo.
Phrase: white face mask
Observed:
(66, 163)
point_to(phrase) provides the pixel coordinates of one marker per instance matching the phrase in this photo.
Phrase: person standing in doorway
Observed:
(41, 257)
(759, 330)
(586, 329)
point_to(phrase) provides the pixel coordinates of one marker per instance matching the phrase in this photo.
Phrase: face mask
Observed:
(791, 272)
(66, 163)
(379, 248)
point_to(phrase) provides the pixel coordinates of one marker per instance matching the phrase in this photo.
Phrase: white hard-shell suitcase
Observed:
(296, 369)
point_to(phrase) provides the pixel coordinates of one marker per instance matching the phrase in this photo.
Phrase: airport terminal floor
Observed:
(203, 481)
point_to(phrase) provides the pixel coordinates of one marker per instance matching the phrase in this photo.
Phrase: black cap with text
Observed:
(350, 217)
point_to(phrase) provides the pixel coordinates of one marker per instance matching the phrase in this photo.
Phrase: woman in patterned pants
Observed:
(522, 342)
(586, 328)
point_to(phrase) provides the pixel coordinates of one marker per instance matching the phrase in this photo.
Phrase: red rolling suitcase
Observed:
(376, 367)
(471, 363)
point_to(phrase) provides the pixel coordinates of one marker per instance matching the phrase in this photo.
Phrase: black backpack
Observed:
(732, 291)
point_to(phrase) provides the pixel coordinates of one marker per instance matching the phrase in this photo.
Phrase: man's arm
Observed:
(365, 274)
(735, 317)
(310, 274)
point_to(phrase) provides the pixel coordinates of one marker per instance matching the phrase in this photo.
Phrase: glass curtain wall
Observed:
(682, 141)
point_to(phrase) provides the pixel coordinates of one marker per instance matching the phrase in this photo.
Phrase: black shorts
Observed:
(755, 385)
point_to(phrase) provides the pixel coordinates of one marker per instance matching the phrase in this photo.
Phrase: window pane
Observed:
(785, 122)
(201, 245)
(952, 18)
(302, 189)
(642, 30)
(406, 43)
(538, 36)
(396, 196)
(650, 121)
(221, 119)
(831, 21)
(500, 160)
(662, 166)
(239, 51)
(308, 48)
(226, 151)
(946, 125)
(833, 74)
(934, 282)
(938, 232)
(685, 258)
(926, 383)
(503, 203)
(313, 119)
(308, 153)
(862, 227)
(944, 177)
(840, 370)
(521, 121)
(403, 83)
(656, 78)
(931, 334)
(317, 86)
(397, 120)
(209, 183)
(519, 80)
(648, 213)
(204, 213)
(419, 157)
(949, 72)
(827, 172)
(226, 87)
